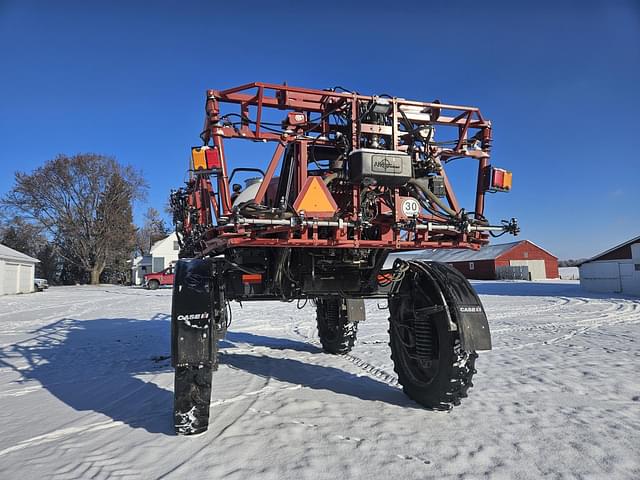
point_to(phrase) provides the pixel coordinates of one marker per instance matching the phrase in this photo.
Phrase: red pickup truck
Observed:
(154, 280)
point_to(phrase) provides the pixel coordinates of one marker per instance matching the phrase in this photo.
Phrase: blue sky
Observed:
(560, 81)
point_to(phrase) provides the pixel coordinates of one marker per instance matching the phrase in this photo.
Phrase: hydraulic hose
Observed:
(260, 211)
(333, 176)
(420, 184)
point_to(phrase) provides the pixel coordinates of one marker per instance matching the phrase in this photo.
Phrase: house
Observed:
(140, 266)
(162, 254)
(520, 260)
(17, 271)
(616, 270)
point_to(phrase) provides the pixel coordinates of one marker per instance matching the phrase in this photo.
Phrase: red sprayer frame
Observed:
(309, 121)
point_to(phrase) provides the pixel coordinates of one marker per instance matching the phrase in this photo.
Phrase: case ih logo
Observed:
(471, 309)
(193, 316)
(383, 163)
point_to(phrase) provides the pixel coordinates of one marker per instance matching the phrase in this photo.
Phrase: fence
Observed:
(512, 273)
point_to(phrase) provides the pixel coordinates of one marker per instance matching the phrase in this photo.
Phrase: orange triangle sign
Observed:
(315, 199)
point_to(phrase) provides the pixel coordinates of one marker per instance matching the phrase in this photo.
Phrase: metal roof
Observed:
(11, 254)
(490, 252)
(602, 254)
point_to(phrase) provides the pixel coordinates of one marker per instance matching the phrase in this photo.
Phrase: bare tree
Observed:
(22, 236)
(84, 203)
(154, 228)
(28, 238)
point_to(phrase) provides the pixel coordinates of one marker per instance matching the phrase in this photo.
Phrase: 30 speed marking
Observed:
(410, 207)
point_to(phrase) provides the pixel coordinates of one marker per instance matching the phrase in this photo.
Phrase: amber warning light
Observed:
(205, 158)
(500, 180)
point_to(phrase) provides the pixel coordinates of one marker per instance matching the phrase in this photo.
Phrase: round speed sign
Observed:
(410, 207)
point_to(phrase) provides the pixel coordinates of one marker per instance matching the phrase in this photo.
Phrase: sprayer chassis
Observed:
(378, 186)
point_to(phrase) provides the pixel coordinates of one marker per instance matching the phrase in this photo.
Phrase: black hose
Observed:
(424, 188)
(253, 209)
(244, 269)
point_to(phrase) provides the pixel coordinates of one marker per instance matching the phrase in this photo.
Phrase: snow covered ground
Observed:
(86, 392)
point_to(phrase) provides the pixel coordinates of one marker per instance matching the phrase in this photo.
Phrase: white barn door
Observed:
(536, 268)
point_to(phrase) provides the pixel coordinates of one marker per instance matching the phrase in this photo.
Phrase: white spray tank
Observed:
(251, 186)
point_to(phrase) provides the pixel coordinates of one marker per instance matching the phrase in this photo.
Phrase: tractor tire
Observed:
(192, 395)
(154, 285)
(337, 334)
(433, 368)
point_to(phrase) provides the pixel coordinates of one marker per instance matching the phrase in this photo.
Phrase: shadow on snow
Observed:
(273, 343)
(93, 365)
(310, 375)
(96, 365)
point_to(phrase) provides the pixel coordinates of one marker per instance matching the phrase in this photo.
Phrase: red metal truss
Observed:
(307, 119)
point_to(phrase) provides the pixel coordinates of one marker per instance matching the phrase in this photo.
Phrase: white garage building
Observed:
(162, 254)
(17, 271)
(615, 271)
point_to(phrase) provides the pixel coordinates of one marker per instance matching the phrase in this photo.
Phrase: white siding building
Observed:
(162, 254)
(569, 273)
(615, 271)
(17, 271)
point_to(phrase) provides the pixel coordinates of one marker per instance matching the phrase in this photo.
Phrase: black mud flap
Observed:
(464, 305)
(192, 331)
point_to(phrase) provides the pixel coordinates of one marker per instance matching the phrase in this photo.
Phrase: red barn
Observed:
(498, 261)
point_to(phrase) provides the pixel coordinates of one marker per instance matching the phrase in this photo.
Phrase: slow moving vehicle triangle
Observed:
(315, 199)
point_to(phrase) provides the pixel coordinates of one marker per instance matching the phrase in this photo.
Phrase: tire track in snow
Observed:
(103, 463)
(53, 318)
(267, 389)
(568, 324)
(73, 311)
(55, 334)
(65, 439)
(619, 313)
(564, 301)
(355, 442)
(60, 433)
(369, 368)
(377, 372)
(217, 424)
(613, 312)
(63, 431)
(21, 392)
(566, 307)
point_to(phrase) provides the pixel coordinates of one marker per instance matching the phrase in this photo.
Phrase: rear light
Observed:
(205, 158)
(500, 180)
(213, 158)
(252, 278)
(296, 119)
(385, 277)
(198, 160)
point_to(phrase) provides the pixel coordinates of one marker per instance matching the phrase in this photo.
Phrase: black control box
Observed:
(386, 167)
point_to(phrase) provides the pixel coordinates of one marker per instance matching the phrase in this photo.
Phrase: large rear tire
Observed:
(337, 334)
(432, 367)
(192, 395)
